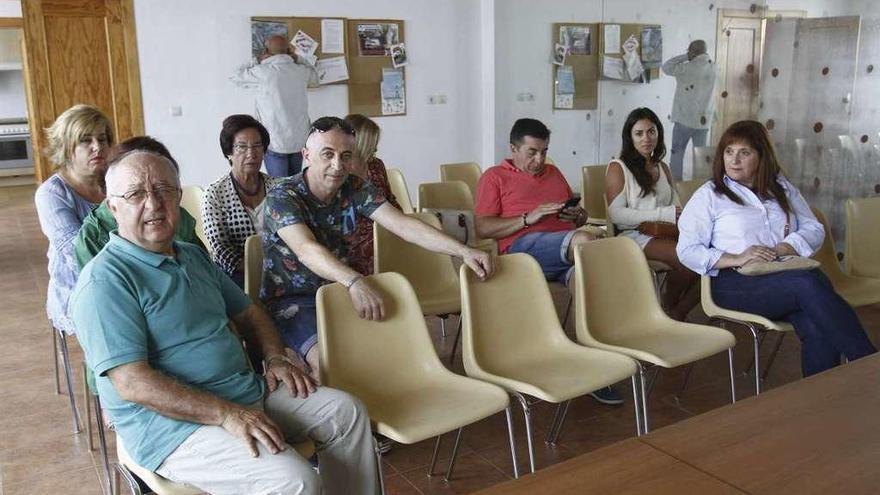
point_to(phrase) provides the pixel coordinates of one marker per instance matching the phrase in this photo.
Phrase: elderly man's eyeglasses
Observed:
(325, 124)
(138, 196)
(242, 148)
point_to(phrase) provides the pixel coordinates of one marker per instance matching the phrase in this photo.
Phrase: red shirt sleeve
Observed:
(488, 200)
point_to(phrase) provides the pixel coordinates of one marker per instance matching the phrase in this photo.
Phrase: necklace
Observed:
(240, 188)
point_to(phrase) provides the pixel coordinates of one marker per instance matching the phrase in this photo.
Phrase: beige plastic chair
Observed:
(191, 201)
(862, 251)
(467, 172)
(593, 194)
(858, 291)
(702, 162)
(431, 274)
(616, 309)
(453, 195)
(398, 187)
(687, 188)
(391, 366)
(253, 267)
(512, 338)
(757, 325)
(126, 467)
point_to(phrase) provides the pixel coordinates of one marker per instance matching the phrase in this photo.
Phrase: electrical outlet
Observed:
(441, 99)
(432, 100)
(176, 111)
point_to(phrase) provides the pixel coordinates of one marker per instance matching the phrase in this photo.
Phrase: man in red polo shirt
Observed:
(520, 203)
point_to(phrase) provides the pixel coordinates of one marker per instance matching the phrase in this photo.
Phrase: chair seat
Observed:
(670, 344)
(440, 300)
(858, 291)
(410, 415)
(558, 374)
(778, 326)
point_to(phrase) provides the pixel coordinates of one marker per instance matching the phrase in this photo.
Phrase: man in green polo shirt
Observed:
(153, 318)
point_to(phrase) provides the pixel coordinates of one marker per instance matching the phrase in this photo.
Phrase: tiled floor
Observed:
(39, 454)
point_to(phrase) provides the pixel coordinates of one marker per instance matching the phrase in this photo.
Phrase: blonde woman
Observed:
(370, 168)
(78, 143)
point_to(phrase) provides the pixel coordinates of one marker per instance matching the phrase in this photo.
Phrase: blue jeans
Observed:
(681, 134)
(550, 249)
(826, 325)
(296, 319)
(282, 164)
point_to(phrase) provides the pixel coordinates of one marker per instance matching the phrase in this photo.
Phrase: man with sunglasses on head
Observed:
(154, 316)
(310, 220)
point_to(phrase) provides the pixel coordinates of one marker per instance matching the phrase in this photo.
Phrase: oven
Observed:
(16, 154)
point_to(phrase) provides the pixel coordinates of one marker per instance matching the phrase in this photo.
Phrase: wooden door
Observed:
(738, 57)
(80, 51)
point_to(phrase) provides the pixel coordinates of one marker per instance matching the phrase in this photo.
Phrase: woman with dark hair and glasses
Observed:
(639, 188)
(232, 208)
(750, 213)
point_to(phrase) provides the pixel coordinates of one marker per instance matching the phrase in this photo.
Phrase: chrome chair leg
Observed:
(527, 415)
(65, 356)
(434, 455)
(125, 474)
(757, 362)
(454, 453)
(558, 421)
(762, 335)
(102, 439)
(86, 395)
(637, 405)
(684, 383)
(645, 427)
(455, 343)
(443, 325)
(55, 359)
(379, 466)
(508, 413)
(732, 376)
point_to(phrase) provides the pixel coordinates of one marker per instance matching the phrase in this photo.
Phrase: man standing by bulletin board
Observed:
(695, 75)
(280, 80)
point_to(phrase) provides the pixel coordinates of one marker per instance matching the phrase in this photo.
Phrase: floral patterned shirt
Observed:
(334, 225)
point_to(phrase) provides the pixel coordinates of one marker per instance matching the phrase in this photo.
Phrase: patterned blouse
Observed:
(290, 202)
(360, 253)
(61, 212)
(227, 223)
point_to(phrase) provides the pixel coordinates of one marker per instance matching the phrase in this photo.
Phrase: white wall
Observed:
(588, 137)
(188, 49)
(10, 8)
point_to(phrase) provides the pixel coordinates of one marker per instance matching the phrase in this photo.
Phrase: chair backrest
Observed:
(508, 317)
(593, 190)
(399, 189)
(191, 201)
(703, 158)
(467, 172)
(425, 270)
(863, 237)
(361, 355)
(614, 290)
(253, 267)
(455, 195)
(687, 188)
(827, 254)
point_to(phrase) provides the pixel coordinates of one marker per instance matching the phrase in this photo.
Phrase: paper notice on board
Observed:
(332, 35)
(303, 44)
(565, 80)
(564, 101)
(392, 92)
(331, 70)
(612, 38)
(613, 68)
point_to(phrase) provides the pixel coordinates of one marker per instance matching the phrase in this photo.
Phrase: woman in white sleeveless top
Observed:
(639, 188)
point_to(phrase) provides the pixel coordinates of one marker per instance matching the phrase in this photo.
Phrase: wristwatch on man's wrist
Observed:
(525, 222)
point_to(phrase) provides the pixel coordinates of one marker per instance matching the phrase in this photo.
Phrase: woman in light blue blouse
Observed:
(78, 142)
(750, 212)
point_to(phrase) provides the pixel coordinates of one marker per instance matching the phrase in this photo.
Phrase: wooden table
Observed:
(818, 435)
(629, 467)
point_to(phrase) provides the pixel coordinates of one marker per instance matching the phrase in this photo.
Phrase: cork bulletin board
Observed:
(584, 62)
(366, 66)
(626, 30)
(309, 25)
